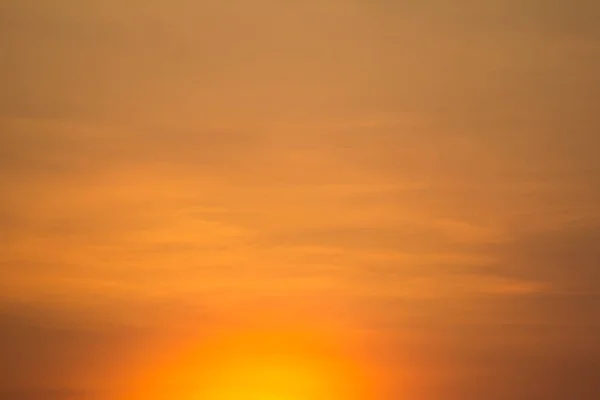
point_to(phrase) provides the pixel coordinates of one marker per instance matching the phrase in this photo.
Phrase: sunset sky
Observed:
(419, 179)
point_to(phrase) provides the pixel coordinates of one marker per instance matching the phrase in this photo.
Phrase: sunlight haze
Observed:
(416, 182)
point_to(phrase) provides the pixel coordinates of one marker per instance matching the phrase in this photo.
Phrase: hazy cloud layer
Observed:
(426, 170)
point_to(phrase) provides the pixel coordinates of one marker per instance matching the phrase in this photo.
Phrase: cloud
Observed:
(43, 395)
(429, 167)
(565, 256)
(42, 354)
(540, 19)
(70, 350)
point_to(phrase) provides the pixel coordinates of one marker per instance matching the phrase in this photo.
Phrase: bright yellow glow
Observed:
(271, 377)
(259, 365)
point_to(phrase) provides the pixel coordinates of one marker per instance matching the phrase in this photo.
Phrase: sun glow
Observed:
(260, 365)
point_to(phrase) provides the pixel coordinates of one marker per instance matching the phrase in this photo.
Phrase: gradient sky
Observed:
(423, 172)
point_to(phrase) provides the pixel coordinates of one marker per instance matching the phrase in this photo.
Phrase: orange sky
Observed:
(419, 174)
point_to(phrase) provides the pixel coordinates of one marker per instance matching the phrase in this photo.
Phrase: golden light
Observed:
(260, 365)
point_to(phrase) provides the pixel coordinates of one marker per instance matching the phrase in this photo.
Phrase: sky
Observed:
(421, 174)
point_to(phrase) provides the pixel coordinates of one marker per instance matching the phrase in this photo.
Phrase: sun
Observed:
(270, 377)
(260, 365)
